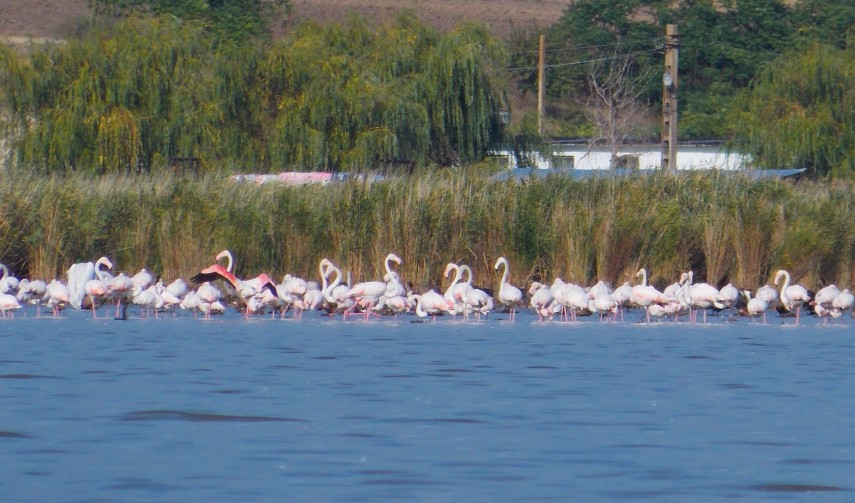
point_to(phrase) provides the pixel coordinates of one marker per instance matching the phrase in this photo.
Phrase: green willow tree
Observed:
(148, 92)
(229, 20)
(800, 112)
(120, 100)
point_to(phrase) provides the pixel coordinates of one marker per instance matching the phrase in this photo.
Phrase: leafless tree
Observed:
(616, 87)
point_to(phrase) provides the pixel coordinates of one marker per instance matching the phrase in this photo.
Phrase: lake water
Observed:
(184, 409)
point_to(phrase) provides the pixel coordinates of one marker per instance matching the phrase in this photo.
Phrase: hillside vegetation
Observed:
(361, 93)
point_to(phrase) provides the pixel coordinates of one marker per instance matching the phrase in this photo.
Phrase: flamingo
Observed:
(290, 292)
(823, 302)
(244, 288)
(98, 287)
(728, 296)
(121, 287)
(643, 295)
(541, 299)
(455, 292)
(369, 292)
(147, 299)
(32, 291)
(699, 296)
(756, 306)
(170, 300)
(431, 304)
(313, 299)
(397, 304)
(623, 297)
(143, 279)
(769, 294)
(825, 296)
(8, 304)
(336, 294)
(602, 301)
(509, 295)
(479, 301)
(791, 295)
(78, 274)
(8, 283)
(844, 302)
(191, 302)
(576, 298)
(57, 296)
(208, 296)
(177, 288)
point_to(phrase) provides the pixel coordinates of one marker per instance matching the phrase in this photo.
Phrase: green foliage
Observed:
(723, 45)
(800, 112)
(149, 92)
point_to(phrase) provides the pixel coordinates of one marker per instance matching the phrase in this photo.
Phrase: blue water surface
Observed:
(185, 409)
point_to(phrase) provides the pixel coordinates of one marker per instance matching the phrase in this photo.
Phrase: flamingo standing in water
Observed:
(509, 295)
(78, 275)
(8, 304)
(368, 293)
(643, 295)
(245, 288)
(791, 295)
(431, 304)
(335, 293)
(699, 296)
(121, 288)
(57, 296)
(541, 300)
(756, 306)
(99, 286)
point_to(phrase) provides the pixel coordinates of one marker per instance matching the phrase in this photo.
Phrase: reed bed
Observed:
(725, 227)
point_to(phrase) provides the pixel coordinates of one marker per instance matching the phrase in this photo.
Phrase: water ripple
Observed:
(13, 434)
(180, 415)
(25, 376)
(795, 488)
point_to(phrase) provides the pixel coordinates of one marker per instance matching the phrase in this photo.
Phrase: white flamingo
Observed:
(643, 295)
(541, 300)
(57, 296)
(792, 296)
(368, 293)
(78, 274)
(98, 287)
(121, 289)
(700, 296)
(509, 295)
(431, 304)
(8, 304)
(756, 306)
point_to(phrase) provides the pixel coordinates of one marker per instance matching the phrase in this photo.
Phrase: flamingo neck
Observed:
(324, 282)
(504, 276)
(784, 298)
(468, 271)
(420, 312)
(336, 281)
(228, 255)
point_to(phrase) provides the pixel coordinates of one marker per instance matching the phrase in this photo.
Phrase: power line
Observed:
(657, 41)
(585, 61)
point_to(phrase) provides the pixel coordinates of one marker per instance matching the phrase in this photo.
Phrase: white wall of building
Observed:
(649, 157)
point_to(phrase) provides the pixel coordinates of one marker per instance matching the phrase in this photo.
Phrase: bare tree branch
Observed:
(614, 100)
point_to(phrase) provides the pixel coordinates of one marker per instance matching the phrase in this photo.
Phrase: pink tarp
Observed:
(288, 178)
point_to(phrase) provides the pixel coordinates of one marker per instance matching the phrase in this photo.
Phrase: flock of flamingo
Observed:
(91, 285)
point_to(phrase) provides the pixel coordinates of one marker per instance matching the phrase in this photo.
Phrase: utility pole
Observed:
(669, 99)
(541, 85)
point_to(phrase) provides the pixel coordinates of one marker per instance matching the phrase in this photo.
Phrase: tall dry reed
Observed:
(724, 227)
